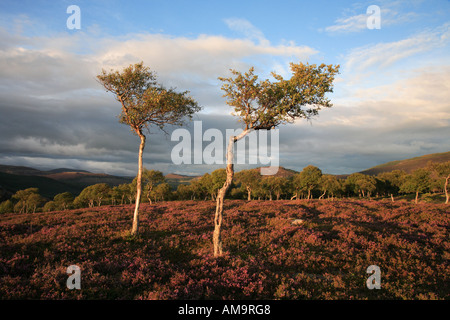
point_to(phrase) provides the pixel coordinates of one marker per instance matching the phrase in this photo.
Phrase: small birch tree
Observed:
(443, 171)
(264, 105)
(145, 103)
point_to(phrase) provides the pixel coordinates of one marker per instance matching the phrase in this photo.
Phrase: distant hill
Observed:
(176, 179)
(10, 183)
(63, 170)
(282, 172)
(409, 165)
(19, 170)
(52, 182)
(84, 178)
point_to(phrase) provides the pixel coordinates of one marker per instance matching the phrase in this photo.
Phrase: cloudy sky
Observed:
(391, 99)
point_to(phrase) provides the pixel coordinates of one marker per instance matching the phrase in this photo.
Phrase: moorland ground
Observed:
(266, 256)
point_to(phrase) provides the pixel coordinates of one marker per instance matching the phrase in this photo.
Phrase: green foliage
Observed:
(361, 184)
(330, 184)
(127, 191)
(266, 104)
(308, 179)
(184, 192)
(249, 180)
(50, 206)
(150, 179)
(211, 183)
(63, 200)
(6, 206)
(162, 192)
(442, 169)
(275, 186)
(27, 200)
(392, 181)
(93, 194)
(144, 101)
(417, 181)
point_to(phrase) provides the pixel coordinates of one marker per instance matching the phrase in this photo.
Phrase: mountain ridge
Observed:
(52, 182)
(410, 164)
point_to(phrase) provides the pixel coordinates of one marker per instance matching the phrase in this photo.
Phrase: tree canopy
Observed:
(265, 104)
(144, 101)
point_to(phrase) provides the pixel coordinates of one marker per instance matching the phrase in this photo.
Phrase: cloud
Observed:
(53, 108)
(385, 54)
(406, 118)
(54, 113)
(356, 23)
(351, 24)
(247, 29)
(204, 57)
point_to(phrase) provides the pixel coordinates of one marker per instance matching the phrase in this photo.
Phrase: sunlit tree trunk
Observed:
(417, 197)
(323, 194)
(446, 190)
(218, 218)
(135, 229)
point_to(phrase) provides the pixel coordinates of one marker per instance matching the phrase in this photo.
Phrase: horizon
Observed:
(390, 100)
(46, 169)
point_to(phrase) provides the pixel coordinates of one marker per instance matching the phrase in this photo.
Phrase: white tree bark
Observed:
(135, 228)
(446, 189)
(218, 218)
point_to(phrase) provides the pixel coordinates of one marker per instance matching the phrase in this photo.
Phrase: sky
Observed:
(391, 99)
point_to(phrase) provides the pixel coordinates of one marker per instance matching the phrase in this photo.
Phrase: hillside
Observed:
(283, 172)
(50, 183)
(20, 170)
(10, 183)
(409, 165)
(266, 256)
(84, 179)
(176, 179)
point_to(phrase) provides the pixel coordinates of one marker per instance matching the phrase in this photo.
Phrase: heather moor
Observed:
(266, 255)
(232, 150)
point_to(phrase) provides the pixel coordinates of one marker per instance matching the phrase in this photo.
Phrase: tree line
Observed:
(249, 184)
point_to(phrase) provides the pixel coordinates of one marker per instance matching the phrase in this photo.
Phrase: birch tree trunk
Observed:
(218, 218)
(445, 189)
(135, 229)
(323, 194)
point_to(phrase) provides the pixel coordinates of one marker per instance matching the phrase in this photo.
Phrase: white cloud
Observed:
(247, 29)
(383, 55)
(350, 24)
(50, 101)
(52, 107)
(204, 58)
(356, 23)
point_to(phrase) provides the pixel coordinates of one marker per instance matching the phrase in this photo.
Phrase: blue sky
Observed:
(391, 99)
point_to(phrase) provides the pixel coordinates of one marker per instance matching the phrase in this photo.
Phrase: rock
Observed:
(297, 222)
